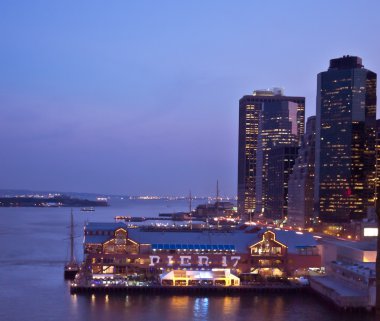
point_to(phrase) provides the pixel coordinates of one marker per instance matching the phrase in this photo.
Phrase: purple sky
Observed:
(141, 97)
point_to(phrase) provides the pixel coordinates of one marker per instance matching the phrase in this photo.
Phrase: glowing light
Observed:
(273, 239)
(371, 231)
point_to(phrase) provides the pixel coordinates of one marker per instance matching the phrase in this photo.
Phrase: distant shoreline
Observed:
(57, 201)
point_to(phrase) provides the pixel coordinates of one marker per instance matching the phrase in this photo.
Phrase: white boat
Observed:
(87, 209)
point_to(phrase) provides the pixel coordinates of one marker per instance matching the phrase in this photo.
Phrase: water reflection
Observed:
(262, 307)
(127, 303)
(180, 302)
(74, 300)
(93, 297)
(201, 306)
(230, 307)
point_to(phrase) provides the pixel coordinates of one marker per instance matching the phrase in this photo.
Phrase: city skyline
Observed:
(142, 98)
(189, 160)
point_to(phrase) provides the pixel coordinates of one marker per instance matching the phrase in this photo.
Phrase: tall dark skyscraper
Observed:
(267, 119)
(249, 115)
(301, 180)
(280, 166)
(377, 148)
(345, 143)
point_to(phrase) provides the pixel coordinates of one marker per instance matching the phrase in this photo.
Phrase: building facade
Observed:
(350, 279)
(267, 119)
(345, 143)
(301, 180)
(114, 250)
(280, 166)
(249, 118)
(377, 147)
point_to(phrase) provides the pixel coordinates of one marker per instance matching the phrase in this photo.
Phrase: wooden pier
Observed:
(186, 290)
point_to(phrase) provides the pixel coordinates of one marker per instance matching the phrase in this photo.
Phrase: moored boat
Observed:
(87, 209)
(71, 267)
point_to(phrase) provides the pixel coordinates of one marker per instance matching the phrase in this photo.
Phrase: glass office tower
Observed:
(280, 166)
(377, 148)
(267, 119)
(345, 142)
(249, 116)
(301, 181)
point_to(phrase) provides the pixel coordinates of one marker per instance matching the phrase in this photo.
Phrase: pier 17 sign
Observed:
(189, 260)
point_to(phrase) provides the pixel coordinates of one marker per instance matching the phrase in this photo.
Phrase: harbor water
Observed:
(34, 247)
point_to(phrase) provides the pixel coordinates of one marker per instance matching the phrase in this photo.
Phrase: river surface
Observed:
(33, 250)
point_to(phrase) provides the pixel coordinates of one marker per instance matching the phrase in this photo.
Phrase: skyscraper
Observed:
(301, 180)
(345, 143)
(249, 115)
(267, 119)
(377, 148)
(280, 165)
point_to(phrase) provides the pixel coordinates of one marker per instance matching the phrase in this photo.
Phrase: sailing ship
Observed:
(71, 267)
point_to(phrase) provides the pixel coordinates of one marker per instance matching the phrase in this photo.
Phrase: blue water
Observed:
(34, 247)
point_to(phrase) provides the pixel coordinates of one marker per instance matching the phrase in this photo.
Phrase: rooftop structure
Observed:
(237, 240)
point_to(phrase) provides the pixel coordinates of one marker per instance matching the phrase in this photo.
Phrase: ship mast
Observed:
(217, 193)
(191, 221)
(72, 259)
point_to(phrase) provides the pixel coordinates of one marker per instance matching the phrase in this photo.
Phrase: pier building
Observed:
(144, 252)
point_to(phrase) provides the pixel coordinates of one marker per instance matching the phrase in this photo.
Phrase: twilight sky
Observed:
(141, 97)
